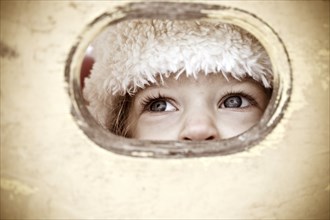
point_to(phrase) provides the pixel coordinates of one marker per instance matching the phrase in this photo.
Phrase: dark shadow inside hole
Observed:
(86, 66)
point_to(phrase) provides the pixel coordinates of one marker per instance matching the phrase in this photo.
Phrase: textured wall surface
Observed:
(50, 169)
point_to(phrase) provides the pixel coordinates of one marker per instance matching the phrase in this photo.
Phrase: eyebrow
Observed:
(151, 87)
(146, 90)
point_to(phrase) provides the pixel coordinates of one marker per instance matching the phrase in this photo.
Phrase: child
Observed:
(178, 80)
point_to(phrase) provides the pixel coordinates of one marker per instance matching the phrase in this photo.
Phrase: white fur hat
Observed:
(133, 53)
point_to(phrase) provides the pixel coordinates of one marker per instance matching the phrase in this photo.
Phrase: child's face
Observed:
(209, 108)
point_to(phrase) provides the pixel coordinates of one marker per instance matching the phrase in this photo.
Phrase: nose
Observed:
(199, 129)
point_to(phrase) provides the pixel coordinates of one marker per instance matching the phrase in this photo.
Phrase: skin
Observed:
(196, 109)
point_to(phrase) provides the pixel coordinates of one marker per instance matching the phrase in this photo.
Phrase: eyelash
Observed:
(148, 100)
(228, 94)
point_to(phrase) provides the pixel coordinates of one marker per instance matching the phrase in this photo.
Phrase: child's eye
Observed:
(235, 101)
(161, 106)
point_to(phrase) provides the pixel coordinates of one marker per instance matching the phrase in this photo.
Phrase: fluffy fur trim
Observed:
(133, 54)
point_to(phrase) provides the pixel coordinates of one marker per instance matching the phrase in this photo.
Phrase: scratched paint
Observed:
(6, 51)
(17, 187)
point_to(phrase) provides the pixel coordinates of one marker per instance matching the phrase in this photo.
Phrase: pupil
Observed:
(158, 106)
(233, 102)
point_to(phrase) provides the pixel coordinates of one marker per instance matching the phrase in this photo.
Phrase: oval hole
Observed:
(80, 62)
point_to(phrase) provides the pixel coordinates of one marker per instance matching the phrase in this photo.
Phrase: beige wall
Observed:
(50, 169)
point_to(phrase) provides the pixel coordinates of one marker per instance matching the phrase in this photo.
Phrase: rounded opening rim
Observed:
(181, 149)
